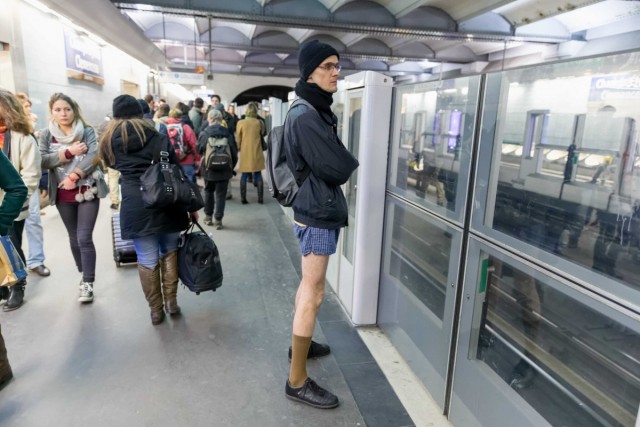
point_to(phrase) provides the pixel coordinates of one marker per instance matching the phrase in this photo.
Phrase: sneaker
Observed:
(218, 224)
(207, 220)
(311, 394)
(86, 292)
(315, 350)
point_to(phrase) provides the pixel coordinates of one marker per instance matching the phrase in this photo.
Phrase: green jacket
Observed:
(15, 194)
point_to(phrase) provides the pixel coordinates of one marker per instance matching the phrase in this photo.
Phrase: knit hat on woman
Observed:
(311, 54)
(126, 107)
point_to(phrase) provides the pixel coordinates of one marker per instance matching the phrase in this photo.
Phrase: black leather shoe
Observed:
(315, 350)
(40, 270)
(312, 394)
(16, 297)
(6, 379)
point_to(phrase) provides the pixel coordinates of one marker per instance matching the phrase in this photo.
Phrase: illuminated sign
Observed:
(84, 58)
(614, 88)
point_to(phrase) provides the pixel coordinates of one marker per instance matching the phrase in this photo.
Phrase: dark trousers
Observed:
(80, 219)
(215, 194)
(15, 234)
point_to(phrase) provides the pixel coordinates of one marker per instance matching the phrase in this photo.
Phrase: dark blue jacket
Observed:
(311, 141)
(217, 131)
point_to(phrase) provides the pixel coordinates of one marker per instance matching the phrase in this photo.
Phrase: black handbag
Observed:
(199, 265)
(164, 184)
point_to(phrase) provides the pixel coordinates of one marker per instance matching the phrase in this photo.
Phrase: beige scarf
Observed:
(59, 135)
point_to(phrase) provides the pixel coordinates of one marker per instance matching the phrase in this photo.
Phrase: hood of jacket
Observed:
(217, 131)
(173, 121)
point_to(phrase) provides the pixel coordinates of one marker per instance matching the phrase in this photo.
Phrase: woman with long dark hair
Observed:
(128, 144)
(68, 148)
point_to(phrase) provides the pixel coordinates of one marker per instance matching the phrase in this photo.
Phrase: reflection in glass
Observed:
(419, 257)
(355, 110)
(566, 145)
(432, 140)
(574, 365)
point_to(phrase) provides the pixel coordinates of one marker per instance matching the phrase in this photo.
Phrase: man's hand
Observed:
(193, 216)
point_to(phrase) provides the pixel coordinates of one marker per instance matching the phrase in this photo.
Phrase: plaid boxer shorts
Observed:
(319, 241)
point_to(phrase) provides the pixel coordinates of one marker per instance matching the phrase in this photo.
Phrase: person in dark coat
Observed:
(216, 181)
(15, 194)
(319, 209)
(128, 144)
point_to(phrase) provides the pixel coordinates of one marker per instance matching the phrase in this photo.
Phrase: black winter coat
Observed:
(311, 142)
(135, 220)
(217, 131)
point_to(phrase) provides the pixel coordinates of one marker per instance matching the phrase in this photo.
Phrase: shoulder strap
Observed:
(307, 170)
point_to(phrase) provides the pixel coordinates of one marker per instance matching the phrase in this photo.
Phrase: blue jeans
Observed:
(33, 228)
(189, 172)
(257, 177)
(151, 248)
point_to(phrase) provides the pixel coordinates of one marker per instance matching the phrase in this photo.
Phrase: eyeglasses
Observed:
(329, 66)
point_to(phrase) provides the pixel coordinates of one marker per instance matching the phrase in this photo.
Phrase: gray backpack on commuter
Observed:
(283, 184)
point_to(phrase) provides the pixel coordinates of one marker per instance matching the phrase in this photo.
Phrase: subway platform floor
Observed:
(223, 362)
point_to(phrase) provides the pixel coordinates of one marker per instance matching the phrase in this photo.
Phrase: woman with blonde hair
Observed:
(129, 144)
(18, 144)
(69, 147)
(249, 142)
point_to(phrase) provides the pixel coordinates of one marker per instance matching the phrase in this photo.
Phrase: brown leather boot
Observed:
(5, 369)
(169, 268)
(150, 280)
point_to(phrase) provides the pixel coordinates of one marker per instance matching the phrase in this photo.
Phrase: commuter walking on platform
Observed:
(33, 223)
(15, 194)
(216, 140)
(19, 145)
(184, 143)
(195, 114)
(68, 147)
(249, 141)
(128, 144)
(320, 208)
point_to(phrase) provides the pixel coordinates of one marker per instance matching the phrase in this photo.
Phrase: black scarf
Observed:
(321, 100)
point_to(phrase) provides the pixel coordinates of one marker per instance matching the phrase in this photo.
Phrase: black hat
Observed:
(126, 106)
(144, 105)
(311, 54)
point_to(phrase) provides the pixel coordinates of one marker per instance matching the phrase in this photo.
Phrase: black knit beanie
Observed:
(311, 54)
(144, 105)
(125, 107)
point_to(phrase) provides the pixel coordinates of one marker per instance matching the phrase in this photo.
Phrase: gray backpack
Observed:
(283, 184)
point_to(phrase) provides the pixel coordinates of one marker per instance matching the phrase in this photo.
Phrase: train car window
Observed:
(432, 137)
(564, 172)
(572, 362)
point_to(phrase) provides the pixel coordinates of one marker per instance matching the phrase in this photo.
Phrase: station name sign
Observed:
(84, 58)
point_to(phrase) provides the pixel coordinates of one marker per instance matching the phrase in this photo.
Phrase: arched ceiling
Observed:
(396, 37)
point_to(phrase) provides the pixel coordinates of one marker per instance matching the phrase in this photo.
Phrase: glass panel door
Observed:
(351, 139)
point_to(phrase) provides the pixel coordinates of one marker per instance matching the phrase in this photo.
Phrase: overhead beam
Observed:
(288, 51)
(332, 26)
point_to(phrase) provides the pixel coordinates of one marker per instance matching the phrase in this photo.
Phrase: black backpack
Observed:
(199, 265)
(283, 184)
(218, 155)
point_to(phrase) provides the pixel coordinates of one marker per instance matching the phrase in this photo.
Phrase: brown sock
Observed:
(299, 351)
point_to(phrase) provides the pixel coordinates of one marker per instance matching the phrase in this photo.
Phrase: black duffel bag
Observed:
(199, 265)
(164, 184)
